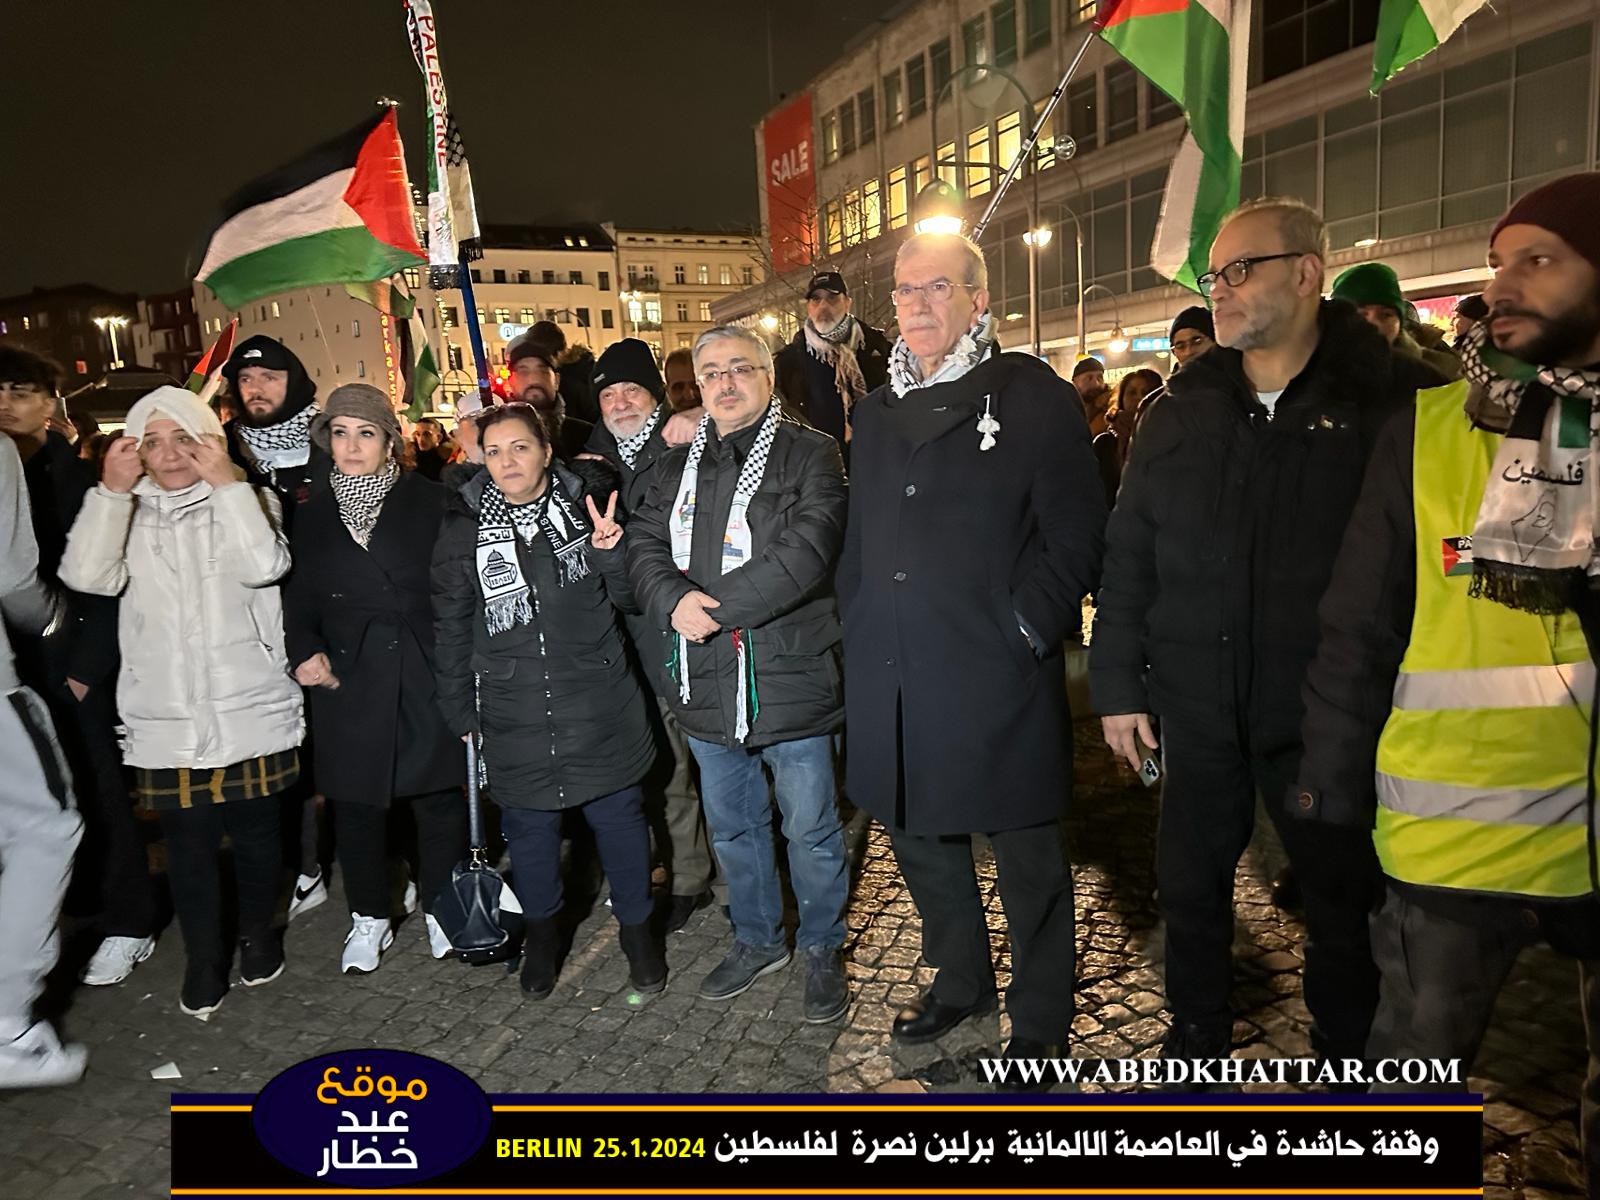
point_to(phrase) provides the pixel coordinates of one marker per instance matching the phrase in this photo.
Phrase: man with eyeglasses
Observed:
(1192, 335)
(732, 556)
(976, 514)
(1222, 541)
(834, 360)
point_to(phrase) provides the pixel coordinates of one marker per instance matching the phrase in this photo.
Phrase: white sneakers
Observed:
(309, 891)
(115, 960)
(438, 942)
(38, 1059)
(368, 938)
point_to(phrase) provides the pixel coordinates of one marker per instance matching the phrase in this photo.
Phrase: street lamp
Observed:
(769, 322)
(939, 209)
(628, 300)
(1119, 340)
(111, 325)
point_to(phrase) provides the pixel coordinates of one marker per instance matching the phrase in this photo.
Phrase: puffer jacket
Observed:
(204, 680)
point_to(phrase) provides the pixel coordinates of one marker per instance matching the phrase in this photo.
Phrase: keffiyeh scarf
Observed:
(360, 498)
(1533, 547)
(507, 599)
(630, 446)
(838, 349)
(286, 444)
(905, 372)
(736, 552)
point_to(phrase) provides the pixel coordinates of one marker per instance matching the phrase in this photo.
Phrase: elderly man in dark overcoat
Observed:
(975, 531)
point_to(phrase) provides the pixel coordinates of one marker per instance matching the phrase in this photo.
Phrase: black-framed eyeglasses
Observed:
(1235, 273)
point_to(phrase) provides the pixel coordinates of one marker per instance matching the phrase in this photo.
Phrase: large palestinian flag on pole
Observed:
(340, 214)
(1409, 29)
(1197, 52)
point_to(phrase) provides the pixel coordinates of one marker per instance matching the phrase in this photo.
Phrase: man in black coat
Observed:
(633, 419)
(732, 554)
(75, 672)
(833, 361)
(975, 532)
(1223, 539)
(536, 380)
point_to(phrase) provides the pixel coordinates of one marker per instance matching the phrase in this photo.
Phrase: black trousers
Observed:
(1443, 970)
(194, 871)
(1035, 885)
(361, 834)
(1207, 814)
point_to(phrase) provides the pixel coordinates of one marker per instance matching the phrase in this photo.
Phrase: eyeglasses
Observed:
(1189, 343)
(1236, 272)
(936, 292)
(738, 374)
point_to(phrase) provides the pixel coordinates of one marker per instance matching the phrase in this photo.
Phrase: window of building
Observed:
(451, 317)
(483, 317)
(705, 310)
(502, 316)
(355, 325)
(1035, 25)
(830, 137)
(979, 179)
(413, 278)
(527, 317)
(683, 310)
(898, 206)
(574, 276)
(583, 317)
(867, 116)
(1080, 105)
(1122, 102)
(453, 356)
(608, 319)
(1007, 139)
(974, 43)
(524, 276)
(871, 209)
(276, 311)
(1159, 106)
(747, 276)
(1080, 11)
(1003, 32)
(477, 275)
(947, 171)
(652, 312)
(685, 341)
(847, 127)
(832, 227)
(894, 99)
(605, 281)
(725, 275)
(499, 276)
(679, 274)
(702, 273)
(916, 87)
(1297, 33)
(939, 64)
(852, 217)
(921, 176)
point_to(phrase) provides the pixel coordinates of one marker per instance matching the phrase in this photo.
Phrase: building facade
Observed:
(673, 278)
(166, 334)
(59, 323)
(1413, 177)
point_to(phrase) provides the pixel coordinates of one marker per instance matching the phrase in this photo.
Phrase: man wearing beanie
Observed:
(833, 361)
(1448, 708)
(1374, 289)
(633, 420)
(271, 438)
(1089, 378)
(1192, 335)
(535, 380)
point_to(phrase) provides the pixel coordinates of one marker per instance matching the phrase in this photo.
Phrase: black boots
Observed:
(541, 956)
(647, 965)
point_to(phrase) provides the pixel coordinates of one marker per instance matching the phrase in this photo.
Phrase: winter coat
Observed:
(954, 723)
(293, 485)
(380, 733)
(807, 384)
(782, 598)
(204, 679)
(1433, 352)
(1225, 531)
(562, 715)
(25, 598)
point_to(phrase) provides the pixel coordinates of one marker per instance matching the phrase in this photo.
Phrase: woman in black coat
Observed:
(526, 577)
(359, 627)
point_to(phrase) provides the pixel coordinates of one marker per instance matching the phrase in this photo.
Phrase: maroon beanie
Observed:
(1566, 207)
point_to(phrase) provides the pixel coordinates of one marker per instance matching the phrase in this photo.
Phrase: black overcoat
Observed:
(950, 550)
(380, 733)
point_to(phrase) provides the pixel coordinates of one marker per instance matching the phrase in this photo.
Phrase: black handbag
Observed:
(477, 910)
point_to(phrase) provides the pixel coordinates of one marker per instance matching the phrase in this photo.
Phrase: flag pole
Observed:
(480, 359)
(1038, 128)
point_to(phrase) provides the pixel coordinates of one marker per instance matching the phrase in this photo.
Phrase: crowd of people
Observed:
(1346, 575)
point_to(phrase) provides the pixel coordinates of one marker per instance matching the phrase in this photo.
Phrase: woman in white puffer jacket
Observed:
(213, 717)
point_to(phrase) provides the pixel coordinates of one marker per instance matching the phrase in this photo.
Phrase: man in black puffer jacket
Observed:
(732, 556)
(1223, 539)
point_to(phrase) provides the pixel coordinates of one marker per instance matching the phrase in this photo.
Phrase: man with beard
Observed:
(833, 361)
(630, 437)
(271, 440)
(1089, 378)
(1448, 709)
(535, 380)
(1232, 505)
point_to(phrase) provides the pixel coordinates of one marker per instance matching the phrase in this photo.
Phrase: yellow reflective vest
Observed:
(1482, 764)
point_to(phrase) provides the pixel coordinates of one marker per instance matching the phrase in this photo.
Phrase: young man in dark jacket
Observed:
(732, 555)
(833, 361)
(1223, 538)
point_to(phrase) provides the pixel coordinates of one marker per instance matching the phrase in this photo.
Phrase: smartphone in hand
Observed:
(1149, 772)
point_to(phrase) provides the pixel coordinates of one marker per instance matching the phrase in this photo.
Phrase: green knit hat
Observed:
(1373, 283)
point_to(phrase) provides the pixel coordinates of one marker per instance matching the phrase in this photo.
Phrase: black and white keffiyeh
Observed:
(1533, 546)
(630, 446)
(286, 444)
(507, 600)
(905, 371)
(737, 548)
(360, 498)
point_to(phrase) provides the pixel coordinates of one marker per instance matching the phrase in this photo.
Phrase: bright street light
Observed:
(1038, 237)
(1119, 341)
(769, 322)
(111, 325)
(939, 209)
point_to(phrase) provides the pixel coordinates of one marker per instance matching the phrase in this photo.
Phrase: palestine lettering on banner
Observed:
(452, 209)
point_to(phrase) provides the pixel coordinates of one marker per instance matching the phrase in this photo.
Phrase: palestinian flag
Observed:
(417, 367)
(341, 214)
(1409, 29)
(214, 357)
(1196, 51)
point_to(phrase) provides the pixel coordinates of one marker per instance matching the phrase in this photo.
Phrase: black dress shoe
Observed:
(928, 1018)
(1286, 891)
(682, 908)
(1027, 1048)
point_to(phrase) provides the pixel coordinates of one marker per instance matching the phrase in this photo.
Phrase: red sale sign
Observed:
(791, 184)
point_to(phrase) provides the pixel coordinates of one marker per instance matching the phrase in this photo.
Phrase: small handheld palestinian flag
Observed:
(213, 359)
(340, 214)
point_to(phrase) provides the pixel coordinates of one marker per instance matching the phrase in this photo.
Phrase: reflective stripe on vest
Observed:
(1482, 765)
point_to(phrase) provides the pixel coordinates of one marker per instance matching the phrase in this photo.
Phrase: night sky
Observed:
(125, 124)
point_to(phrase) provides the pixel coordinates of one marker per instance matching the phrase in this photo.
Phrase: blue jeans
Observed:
(734, 791)
(620, 834)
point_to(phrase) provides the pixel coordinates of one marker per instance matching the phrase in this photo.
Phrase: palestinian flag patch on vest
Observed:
(1457, 553)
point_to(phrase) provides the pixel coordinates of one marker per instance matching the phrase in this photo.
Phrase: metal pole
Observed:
(480, 357)
(1027, 146)
(1033, 266)
(116, 357)
(1083, 319)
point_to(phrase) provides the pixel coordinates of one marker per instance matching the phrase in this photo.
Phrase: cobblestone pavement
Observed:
(109, 1136)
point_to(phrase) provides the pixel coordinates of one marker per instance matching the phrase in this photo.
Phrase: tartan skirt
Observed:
(162, 789)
